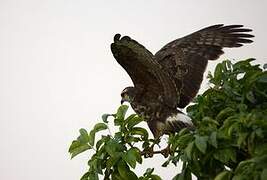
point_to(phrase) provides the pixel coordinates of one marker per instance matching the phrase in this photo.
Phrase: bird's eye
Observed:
(122, 94)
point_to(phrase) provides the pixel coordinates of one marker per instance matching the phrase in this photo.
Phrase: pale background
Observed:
(57, 73)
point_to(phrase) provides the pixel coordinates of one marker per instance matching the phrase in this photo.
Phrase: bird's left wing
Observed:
(186, 58)
(144, 71)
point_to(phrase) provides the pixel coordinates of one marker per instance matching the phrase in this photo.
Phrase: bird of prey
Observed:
(171, 78)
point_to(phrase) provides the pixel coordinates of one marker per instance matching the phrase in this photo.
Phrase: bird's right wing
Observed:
(145, 72)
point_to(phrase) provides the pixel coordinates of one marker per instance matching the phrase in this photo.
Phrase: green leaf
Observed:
(225, 175)
(121, 112)
(130, 117)
(217, 74)
(114, 148)
(84, 137)
(131, 156)
(242, 138)
(244, 167)
(264, 174)
(183, 141)
(242, 66)
(77, 148)
(210, 121)
(260, 149)
(94, 176)
(223, 114)
(242, 107)
(166, 163)
(99, 127)
(263, 78)
(155, 177)
(225, 155)
(131, 122)
(131, 139)
(213, 139)
(183, 131)
(92, 138)
(250, 96)
(149, 171)
(188, 150)
(179, 176)
(116, 176)
(201, 143)
(102, 141)
(125, 172)
(234, 127)
(112, 161)
(85, 176)
(105, 117)
(118, 136)
(95, 165)
(139, 131)
(185, 174)
(137, 154)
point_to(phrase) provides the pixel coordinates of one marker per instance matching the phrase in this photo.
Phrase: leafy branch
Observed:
(230, 141)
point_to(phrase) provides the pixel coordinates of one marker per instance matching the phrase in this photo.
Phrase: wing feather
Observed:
(145, 72)
(186, 58)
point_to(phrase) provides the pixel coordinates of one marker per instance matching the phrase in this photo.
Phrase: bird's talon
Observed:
(149, 152)
(166, 152)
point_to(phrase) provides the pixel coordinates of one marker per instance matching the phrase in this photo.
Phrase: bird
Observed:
(167, 81)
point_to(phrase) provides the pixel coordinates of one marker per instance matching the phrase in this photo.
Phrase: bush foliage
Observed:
(230, 141)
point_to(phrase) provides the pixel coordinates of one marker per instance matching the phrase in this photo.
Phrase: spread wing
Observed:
(186, 58)
(145, 72)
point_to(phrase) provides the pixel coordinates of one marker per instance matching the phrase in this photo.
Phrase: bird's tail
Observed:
(177, 122)
(173, 123)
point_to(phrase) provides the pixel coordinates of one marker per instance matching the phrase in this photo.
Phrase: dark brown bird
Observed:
(171, 78)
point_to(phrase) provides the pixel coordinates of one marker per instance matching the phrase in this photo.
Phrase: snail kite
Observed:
(171, 78)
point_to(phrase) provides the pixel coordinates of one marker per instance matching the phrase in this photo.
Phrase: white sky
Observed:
(57, 73)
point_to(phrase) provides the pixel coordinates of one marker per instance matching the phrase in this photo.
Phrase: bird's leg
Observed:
(149, 152)
(166, 152)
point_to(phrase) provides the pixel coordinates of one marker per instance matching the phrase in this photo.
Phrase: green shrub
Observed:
(230, 141)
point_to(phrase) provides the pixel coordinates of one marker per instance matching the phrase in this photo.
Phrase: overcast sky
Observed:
(57, 73)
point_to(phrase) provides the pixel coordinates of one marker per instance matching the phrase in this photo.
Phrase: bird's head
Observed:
(128, 94)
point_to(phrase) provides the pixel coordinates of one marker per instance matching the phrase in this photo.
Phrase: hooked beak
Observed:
(122, 101)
